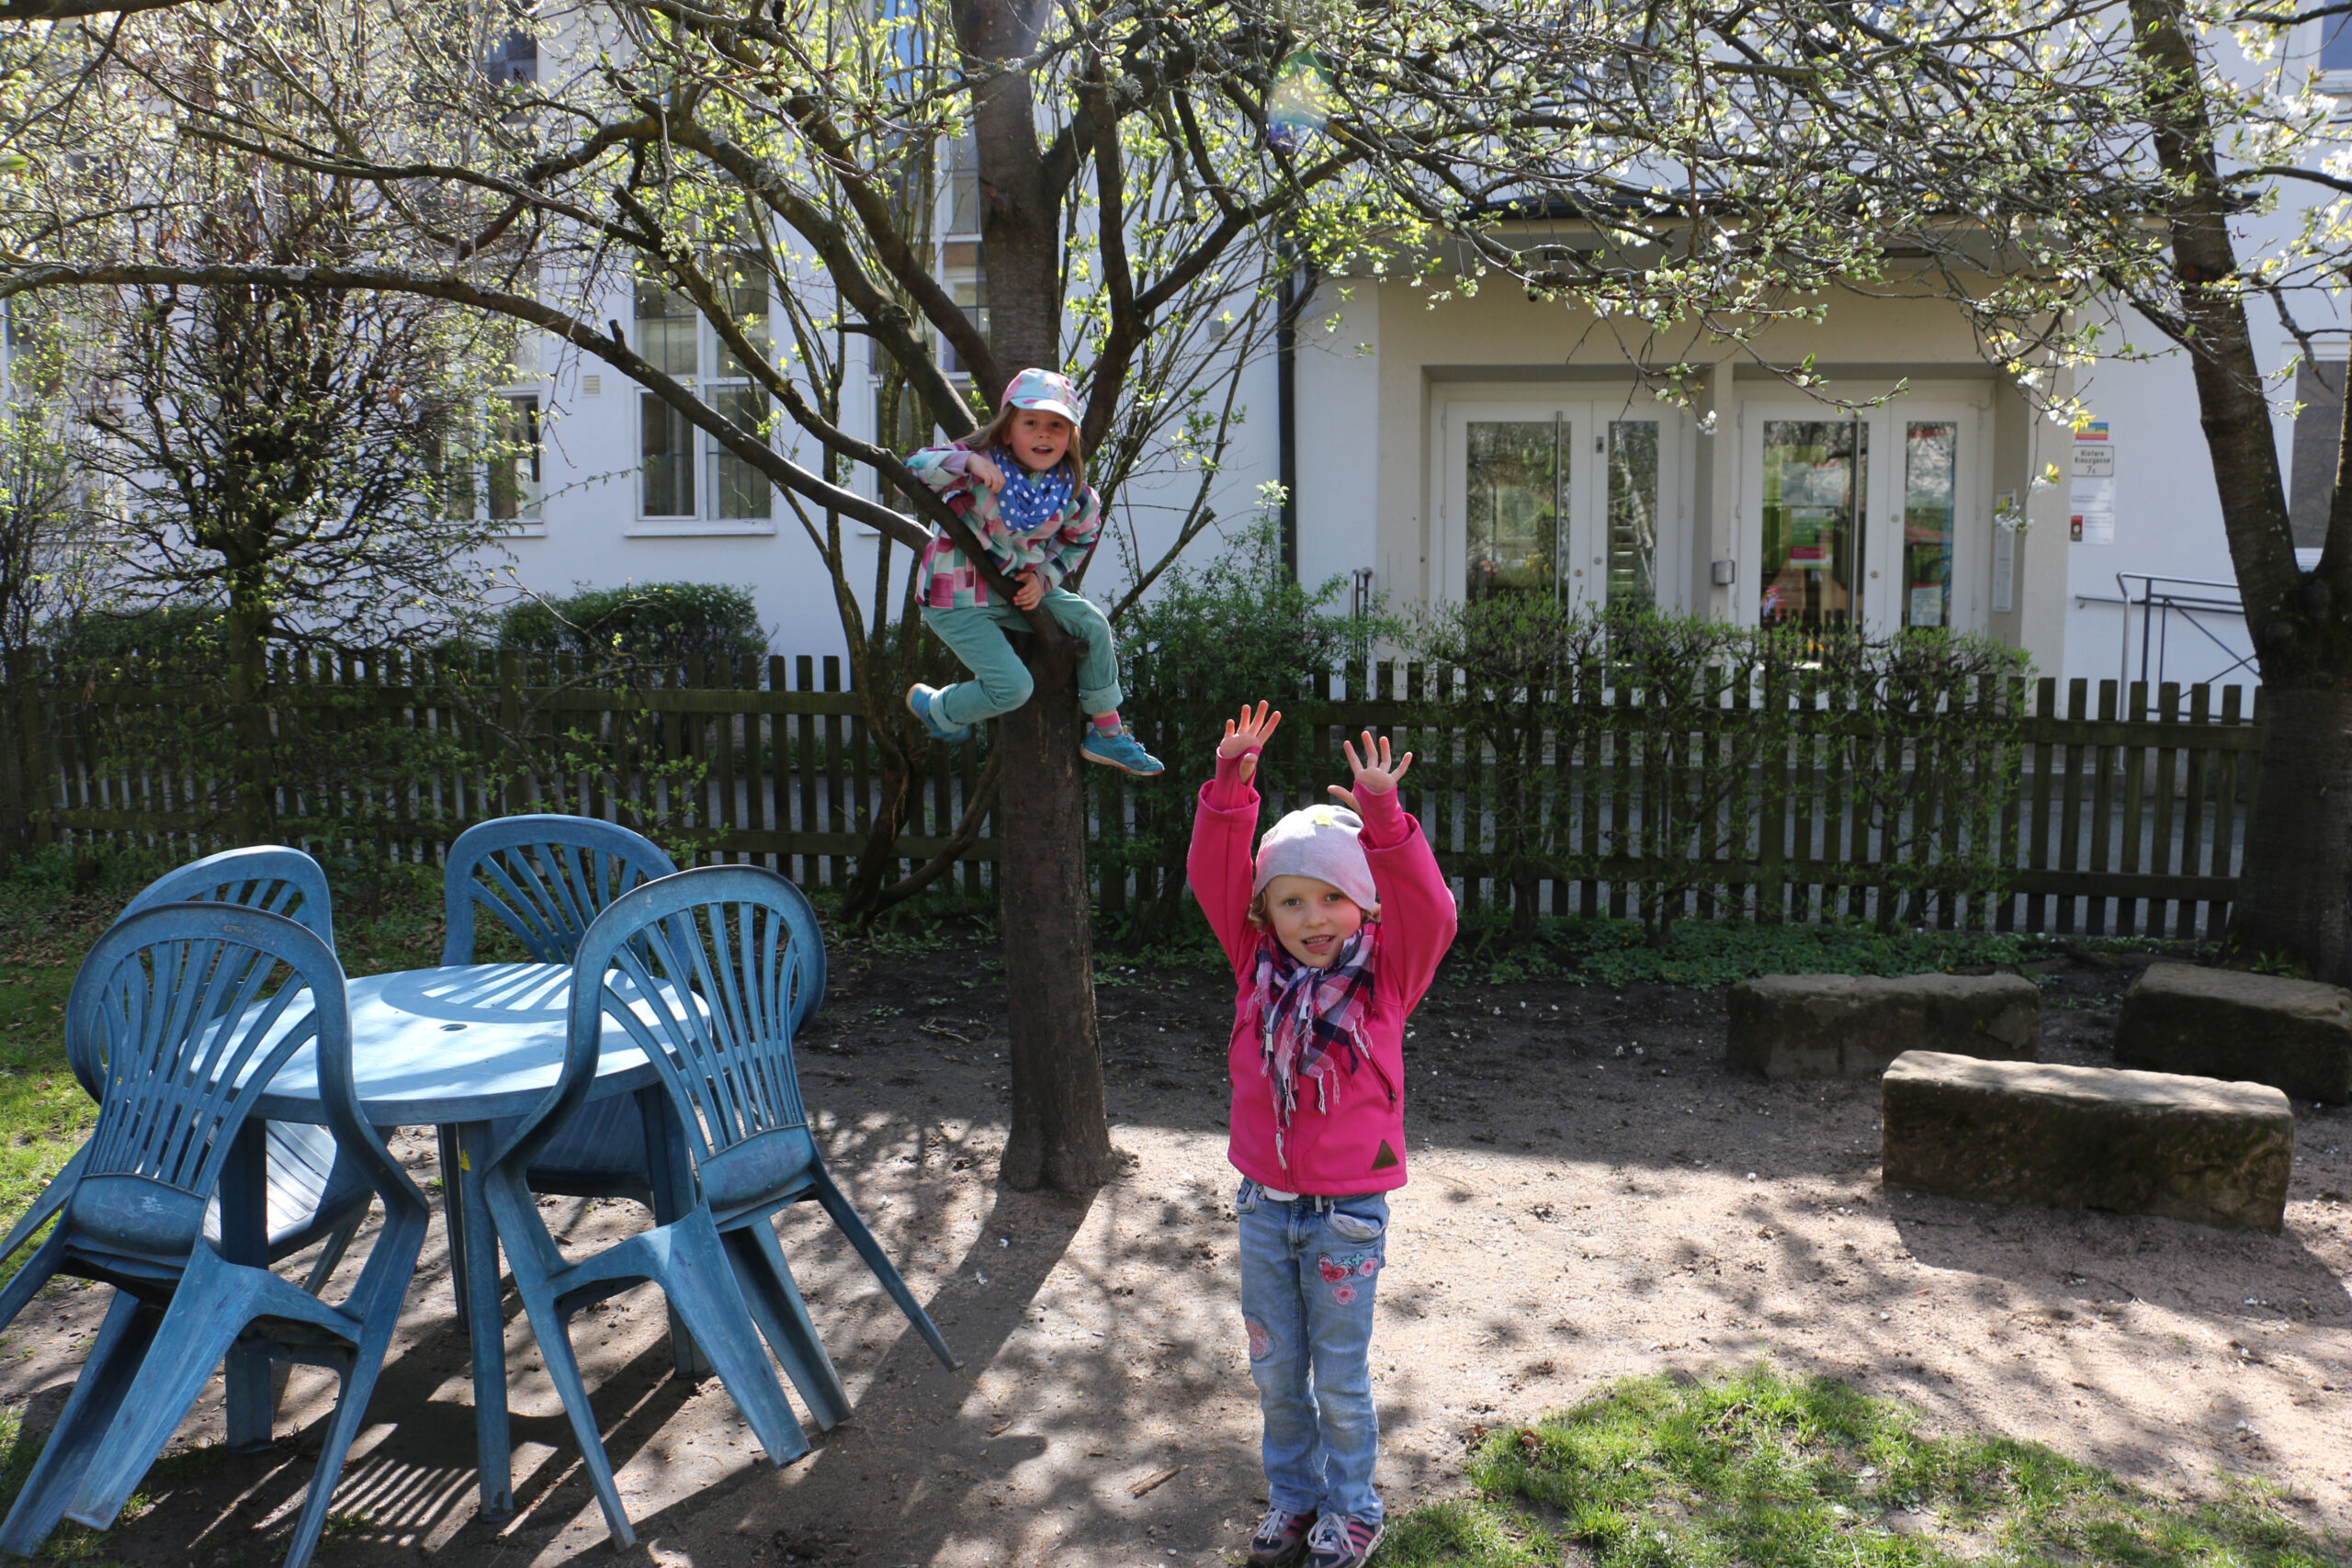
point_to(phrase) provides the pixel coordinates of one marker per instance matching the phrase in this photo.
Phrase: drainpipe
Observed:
(1287, 307)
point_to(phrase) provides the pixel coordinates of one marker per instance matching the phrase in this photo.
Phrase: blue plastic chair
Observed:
(601, 1152)
(546, 877)
(312, 1191)
(698, 969)
(190, 1010)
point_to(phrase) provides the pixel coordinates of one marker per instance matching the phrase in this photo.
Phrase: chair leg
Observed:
(553, 1332)
(214, 1303)
(335, 1446)
(114, 1361)
(452, 1222)
(339, 1242)
(853, 1227)
(699, 1279)
(38, 1271)
(768, 1290)
(377, 1300)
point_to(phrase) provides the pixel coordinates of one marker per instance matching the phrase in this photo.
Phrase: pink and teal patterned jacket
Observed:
(1055, 546)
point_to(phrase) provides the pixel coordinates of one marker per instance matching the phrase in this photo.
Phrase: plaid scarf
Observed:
(1030, 501)
(1303, 1012)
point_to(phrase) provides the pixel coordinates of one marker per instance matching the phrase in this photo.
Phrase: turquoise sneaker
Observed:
(1117, 749)
(922, 702)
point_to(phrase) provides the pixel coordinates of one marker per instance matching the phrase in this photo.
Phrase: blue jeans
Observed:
(981, 637)
(1308, 1269)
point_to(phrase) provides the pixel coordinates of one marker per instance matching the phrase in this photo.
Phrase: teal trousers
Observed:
(981, 637)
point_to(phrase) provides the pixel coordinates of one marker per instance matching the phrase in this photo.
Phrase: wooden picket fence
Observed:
(2125, 814)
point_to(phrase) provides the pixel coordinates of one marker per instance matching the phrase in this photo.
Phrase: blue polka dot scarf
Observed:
(1029, 501)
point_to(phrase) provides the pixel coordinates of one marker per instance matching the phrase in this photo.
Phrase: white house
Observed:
(1487, 441)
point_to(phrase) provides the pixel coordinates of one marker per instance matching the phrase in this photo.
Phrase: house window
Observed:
(2333, 75)
(512, 476)
(1632, 513)
(2335, 45)
(1930, 475)
(966, 277)
(514, 61)
(682, 471)
(1518, 473)
(497, 478)
(2319, 426)
(963, 186)
(1815, 474)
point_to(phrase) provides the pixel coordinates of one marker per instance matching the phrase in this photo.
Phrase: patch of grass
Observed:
(1617, 952)
(78, 1545)
(1764, 1470)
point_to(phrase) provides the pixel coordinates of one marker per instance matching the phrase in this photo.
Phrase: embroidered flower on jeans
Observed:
(1368, 1268)
(1335, 1269)
(1344, 1294)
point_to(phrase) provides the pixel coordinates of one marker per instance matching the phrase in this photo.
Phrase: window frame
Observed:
(711, 470)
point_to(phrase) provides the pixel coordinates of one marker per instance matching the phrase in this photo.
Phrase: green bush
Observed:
(670, 625)
(101, 637)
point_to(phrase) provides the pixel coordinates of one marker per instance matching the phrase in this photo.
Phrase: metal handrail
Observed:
(2163, 603)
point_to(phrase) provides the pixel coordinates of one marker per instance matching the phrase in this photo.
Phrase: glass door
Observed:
(1930, 518)
(1817, 473)
(1903, 543)
(1515, 506)
(1571, 499)
(1632, 513)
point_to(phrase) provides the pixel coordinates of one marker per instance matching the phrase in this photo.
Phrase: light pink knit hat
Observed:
(1319, 842)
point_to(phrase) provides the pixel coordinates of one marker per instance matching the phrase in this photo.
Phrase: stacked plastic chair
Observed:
(544, 878)
(312, 1191)
(185, 1012)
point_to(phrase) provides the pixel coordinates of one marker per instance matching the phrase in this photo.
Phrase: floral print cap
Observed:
(1042, 390)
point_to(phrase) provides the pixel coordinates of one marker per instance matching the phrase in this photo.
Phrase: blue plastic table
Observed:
(458, 1048)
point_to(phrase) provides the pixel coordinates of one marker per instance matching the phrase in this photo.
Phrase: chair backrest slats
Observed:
(706, 971)
(544, 877)
(270, 878)
(195, 1008)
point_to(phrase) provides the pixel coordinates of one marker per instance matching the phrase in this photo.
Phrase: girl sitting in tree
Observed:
(1020, 484)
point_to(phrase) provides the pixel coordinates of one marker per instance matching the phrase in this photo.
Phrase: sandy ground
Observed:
(1592, 1195)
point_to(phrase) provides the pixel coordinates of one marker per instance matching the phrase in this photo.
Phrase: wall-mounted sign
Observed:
(2090, 507)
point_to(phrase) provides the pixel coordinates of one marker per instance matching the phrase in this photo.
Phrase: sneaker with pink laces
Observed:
(1340, 1541)
(1281, 1538)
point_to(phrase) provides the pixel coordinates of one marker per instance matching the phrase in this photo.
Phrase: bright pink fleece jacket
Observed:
(1358, 1144)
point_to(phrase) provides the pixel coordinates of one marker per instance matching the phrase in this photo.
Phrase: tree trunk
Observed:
(2295, 902)
(2293, 883)
(251, 818)
(1061, 1133)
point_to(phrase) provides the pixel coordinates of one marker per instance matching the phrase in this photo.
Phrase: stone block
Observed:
(2223, 1024)
(2191, 1148)
(1827, 1026)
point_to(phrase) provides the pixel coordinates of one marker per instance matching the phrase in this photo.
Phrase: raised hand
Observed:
(1246, 736)
(1375, 772)
(983, 471)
